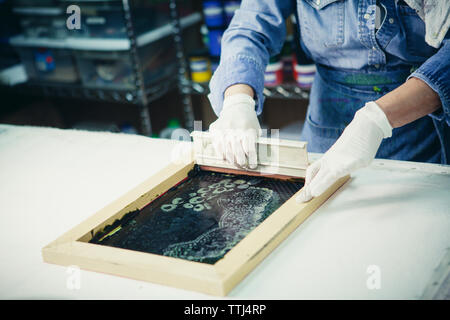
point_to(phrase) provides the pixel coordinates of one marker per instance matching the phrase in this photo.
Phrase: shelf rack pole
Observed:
(183, 83)
(139, 95)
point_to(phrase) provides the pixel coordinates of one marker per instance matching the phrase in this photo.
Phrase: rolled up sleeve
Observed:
(256, 33)
(435, 72)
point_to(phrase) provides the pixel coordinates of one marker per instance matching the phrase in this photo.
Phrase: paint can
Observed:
(287, 58)
(200, 68)
(214, 13)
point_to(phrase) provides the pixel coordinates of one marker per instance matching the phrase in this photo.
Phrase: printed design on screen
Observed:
(202, 218)
(244, 208)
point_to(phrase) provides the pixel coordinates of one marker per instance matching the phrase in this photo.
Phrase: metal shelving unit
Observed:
(141, 95)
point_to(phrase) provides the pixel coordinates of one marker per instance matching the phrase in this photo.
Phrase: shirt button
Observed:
(373, 48)
(367, 16)
(391, 21)
(317, 2)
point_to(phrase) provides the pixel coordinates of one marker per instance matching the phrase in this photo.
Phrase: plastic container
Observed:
(214, 41)
(230, 7)
(114, 69)
(214, 13)
(98, 126)
(42, 22)
(49, 65)
(200, 67)
(273, 75)
(105, 19)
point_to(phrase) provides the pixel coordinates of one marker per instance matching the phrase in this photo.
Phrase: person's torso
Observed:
(363, 50)
(364, 34)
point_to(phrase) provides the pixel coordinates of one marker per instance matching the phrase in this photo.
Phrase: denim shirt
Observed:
(339, 34)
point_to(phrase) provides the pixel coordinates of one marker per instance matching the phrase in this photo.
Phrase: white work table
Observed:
(393, 215)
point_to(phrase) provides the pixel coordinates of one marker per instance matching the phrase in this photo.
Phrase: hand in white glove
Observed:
(354, 149)
(235, 133)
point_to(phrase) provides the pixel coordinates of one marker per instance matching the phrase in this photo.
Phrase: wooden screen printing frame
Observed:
(73, 247)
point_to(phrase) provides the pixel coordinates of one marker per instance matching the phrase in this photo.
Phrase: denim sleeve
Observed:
(256, 33)
(436, 73)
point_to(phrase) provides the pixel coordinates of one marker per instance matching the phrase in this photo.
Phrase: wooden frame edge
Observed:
(219, 279)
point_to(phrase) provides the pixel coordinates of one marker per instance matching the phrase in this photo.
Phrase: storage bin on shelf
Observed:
(304, 75)
(48, 64)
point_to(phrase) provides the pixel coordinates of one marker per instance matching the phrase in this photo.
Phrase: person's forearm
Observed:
(239, 88)
(409, 102)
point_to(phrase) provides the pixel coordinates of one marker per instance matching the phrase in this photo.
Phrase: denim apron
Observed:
(336, 96)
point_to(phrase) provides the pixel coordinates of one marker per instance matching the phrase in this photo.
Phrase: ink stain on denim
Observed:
(202, 218)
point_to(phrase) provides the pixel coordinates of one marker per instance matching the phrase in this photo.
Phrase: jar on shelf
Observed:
(214, 63)
(200, 67)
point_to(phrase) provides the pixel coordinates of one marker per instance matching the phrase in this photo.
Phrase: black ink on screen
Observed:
(201, 218)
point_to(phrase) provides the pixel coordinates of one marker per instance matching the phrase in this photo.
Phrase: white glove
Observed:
(235, 133)
(354, 149)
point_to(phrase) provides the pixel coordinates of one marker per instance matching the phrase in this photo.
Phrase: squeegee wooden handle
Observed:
(275, 156)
